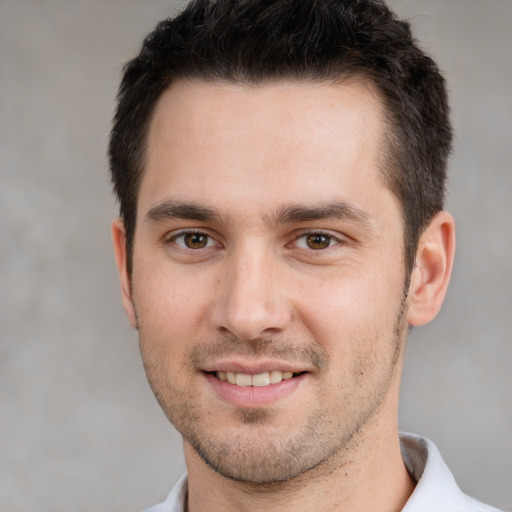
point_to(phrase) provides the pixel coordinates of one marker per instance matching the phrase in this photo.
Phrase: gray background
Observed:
(79, 427)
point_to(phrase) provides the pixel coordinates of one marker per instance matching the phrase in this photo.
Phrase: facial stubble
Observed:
(255, 448)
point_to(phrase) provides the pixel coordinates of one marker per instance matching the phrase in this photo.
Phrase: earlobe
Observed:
(119, 242)
(431, 274)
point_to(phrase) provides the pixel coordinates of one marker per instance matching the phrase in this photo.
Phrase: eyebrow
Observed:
(181, 210)
(302, 213)
(340, 210)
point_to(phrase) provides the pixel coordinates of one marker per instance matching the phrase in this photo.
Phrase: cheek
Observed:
(169, 290)
(169, 308)
(350, 315)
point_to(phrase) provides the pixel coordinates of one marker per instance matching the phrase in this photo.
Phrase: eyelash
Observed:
(332, 238)
(210, 239)
(183, 233)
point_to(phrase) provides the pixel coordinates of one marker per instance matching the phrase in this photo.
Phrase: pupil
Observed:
(195, 240)
(318, 241)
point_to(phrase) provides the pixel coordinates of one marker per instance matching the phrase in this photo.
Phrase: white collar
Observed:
(436, 489)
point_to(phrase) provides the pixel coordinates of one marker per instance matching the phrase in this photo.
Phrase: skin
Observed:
(266, 239)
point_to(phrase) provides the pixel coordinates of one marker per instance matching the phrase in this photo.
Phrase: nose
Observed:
(250, 302)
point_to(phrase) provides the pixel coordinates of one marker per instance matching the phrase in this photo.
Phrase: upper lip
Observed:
(255, 367)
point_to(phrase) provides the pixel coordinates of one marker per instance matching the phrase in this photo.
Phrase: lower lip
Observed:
(254, 396)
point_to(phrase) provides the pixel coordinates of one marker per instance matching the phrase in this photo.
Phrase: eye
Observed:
(316, 241)
(193, 240)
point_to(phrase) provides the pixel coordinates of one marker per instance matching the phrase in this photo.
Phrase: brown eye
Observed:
(318, 241)
(195, 240)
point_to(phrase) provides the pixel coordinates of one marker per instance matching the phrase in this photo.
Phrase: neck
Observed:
(370, 475)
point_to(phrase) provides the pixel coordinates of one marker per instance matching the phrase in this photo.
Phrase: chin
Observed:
(254, 454)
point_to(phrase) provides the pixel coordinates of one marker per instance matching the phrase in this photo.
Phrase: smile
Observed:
(258, 380)
(254, 389)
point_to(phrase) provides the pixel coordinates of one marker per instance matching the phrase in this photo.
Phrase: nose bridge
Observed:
(250, 303)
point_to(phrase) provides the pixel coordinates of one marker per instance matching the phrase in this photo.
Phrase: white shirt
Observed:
(436, 489)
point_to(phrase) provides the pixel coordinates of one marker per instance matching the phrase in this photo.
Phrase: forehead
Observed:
(284, 141)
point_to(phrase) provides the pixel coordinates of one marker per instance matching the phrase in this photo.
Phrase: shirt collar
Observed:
(435, 490)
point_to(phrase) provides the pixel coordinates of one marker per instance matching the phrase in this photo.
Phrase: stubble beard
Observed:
(257, 452)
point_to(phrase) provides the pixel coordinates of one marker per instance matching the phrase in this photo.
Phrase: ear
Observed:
(119, 241)
(431, 274)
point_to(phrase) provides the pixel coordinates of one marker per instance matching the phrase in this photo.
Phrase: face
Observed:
(268, 280)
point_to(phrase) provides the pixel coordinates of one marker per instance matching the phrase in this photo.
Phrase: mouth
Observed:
(255, 389)
(256, 380)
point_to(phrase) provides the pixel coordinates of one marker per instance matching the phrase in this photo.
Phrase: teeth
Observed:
(276, 377)
(261, 379)
(242, 379)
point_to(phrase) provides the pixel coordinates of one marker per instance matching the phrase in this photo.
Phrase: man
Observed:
(280, 167)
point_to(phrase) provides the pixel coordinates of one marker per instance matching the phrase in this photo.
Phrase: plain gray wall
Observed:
(79, 427)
